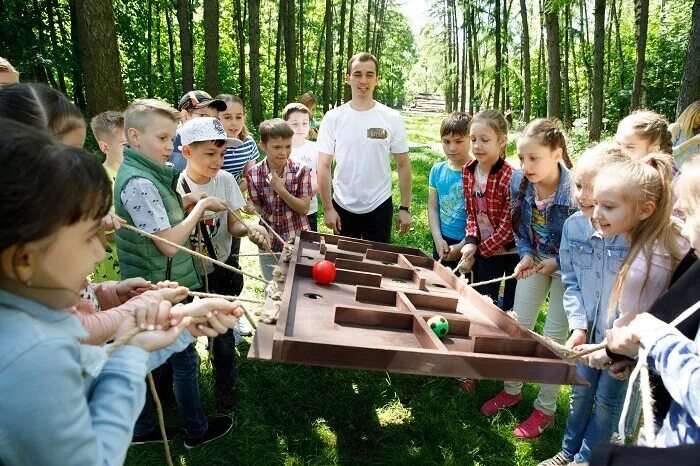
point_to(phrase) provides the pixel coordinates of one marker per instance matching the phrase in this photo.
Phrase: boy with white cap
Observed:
(204, 144)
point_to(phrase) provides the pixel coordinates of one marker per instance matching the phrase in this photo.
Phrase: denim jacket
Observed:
(63, 402)
(589, 265)
(557, 212)
(677, 360)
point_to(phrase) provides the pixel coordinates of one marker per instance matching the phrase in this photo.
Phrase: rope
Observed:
(281, 240)
(161, 419)
(495, 280)
(266, 245)
(231, 298)
(191, 252)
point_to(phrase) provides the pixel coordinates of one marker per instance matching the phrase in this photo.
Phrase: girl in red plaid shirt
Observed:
(490, 245)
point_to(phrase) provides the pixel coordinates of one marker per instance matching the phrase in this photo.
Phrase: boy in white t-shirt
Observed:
(362, 135)
(304, 152)
(204, 144)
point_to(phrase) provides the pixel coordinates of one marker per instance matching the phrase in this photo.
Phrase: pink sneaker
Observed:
(500, 401)
(533, 426)
(466, 385)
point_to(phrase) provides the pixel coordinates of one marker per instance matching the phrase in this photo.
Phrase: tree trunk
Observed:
(171, 48)
(641, 22)
(690, 83)
(596, 125)
(149, 52)
(577, 98)
(367, 24)
(527, 75)
(278, 60)
(55, 51)
(211, 47)
(239, 33)
(256, 108)
(585, 43)
(341, 57)
(621, 57)
(159, 63)
(476, 66)
(183, 19)
(497, 71)
(97, 35)
(465, 65)
(565, 72)
(347, 95)
(78, 85)
(608, 41)
(318, 55)
(290, 50)
(302, 55)
(328, 56)
(553, 61)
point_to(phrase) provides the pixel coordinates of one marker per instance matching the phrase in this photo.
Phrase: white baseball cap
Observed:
(205, 129)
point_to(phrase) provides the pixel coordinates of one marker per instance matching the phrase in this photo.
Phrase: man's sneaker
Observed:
(155, 436)
(500, 401)
(218, 427)
(557, 460)
(244, 327)
(533, 426)
(466, 385)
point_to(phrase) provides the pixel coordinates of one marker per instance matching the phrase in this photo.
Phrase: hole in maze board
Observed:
(439, 285)
(388, 263)
(398, 280)
(308, 257)
(313, 296)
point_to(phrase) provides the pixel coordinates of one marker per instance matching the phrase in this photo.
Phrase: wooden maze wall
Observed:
(374, 316)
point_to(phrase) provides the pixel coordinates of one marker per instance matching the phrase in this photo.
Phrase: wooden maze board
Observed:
(373, 316)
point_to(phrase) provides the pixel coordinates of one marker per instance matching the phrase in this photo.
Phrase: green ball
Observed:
(439, 325)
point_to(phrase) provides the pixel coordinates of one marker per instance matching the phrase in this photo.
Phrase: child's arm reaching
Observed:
(179, 233)
(434, 222)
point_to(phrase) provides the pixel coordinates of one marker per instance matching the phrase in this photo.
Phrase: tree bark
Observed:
(690, 82)
(565, 72)
(302, 55)
(239, 34)
(621, 57)
(278, 59)
(367, 25)
(596, 124)
(171, 58)
(328, 56)
(256, 108)
(553, 61)
(347, 95)
(499, 58)
(290, 50)
(527, 74)
(211, 47)
(183, 19)
(465, 66)
(341, 57)
(641, 23)
(149, 52)
(104, 87)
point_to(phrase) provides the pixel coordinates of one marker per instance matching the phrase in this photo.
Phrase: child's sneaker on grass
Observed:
(155, 436)
(533, 426)
(466, 385)
(500, 401)
(218, 427)
(557, 460)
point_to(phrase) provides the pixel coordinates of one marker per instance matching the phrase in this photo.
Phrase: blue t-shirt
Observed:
(448, 184)
(236, 158)
(177, 160)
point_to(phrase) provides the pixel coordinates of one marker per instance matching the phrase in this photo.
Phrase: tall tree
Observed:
(171, 56)
(186, 57)
(302, 55)
(527, 75)
(553, 59)
(211, 47)
(367, 25)
(256, 108)
(596, 123)
(278, 59)
(341, 57)
(328, 56)
(351, 48)
(149, 52)
(239, 34)
(641, 23)
(290, 49)
(690, 83)
(499, 56)
(104, 87)
(565, 71)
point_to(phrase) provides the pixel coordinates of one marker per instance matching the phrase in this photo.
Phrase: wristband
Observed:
(403, 207)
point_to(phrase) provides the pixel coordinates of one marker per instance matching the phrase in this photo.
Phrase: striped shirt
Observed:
(236, 158)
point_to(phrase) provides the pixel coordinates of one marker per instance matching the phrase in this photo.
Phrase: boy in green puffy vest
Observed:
(145, 195)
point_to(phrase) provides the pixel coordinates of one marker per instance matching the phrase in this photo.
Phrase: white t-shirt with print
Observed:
(362, 143)
(223, 186)
(308, 155)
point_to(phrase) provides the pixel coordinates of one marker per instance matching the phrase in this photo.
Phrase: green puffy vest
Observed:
(138, 255)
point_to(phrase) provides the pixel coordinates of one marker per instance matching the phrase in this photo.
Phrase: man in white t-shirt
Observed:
(362, 135)
(304, 152)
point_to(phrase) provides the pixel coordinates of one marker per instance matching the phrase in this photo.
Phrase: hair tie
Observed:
(650, 161)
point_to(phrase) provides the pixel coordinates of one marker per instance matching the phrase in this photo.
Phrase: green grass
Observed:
(294, 415)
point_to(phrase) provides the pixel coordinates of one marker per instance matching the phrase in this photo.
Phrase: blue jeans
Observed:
(593, 413)
(185, 366)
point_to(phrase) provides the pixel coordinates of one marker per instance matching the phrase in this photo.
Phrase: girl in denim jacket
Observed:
(589, 265)
(541, 204)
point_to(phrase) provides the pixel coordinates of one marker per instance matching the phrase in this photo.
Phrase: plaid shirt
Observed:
(285, 221)
(497, 197)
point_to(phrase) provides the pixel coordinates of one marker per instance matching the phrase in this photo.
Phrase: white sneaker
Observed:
(557, 460)
(244, 327)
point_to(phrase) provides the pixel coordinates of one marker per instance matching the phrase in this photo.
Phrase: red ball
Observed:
(323, 272)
